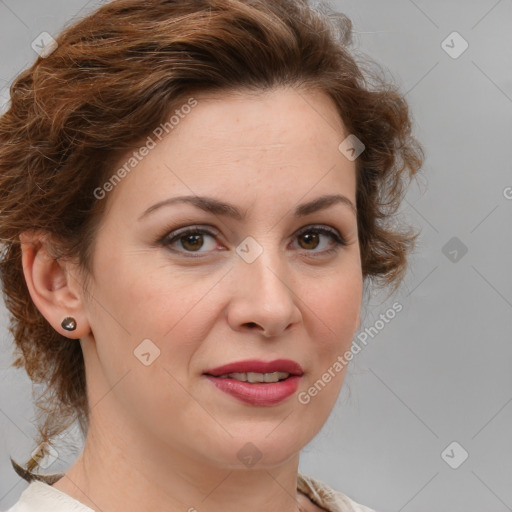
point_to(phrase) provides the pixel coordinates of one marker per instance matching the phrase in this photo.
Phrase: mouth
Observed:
(253, 377)
(257, 371)
(257, 382)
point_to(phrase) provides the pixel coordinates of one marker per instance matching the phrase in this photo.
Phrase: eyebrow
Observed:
(211, 205)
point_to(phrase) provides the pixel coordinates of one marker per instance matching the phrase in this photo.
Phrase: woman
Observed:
(194, 197)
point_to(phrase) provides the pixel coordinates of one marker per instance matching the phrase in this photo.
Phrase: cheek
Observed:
(334, 318)
(170, 307)
(151, 298)
(335, 306)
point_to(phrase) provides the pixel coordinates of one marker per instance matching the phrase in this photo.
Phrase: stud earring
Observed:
(69, 323)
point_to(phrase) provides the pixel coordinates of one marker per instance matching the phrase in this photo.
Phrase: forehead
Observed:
(285, 115)
(245, 142)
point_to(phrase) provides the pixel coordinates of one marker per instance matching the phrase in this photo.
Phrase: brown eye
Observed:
(311, 241)
(195, 240)
(192, 242)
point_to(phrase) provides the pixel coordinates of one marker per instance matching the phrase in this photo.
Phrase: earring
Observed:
(69, 323)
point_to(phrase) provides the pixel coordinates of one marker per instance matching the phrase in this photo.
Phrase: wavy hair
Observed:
(120, 72)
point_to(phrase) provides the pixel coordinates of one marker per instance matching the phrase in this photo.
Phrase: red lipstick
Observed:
(257, 366)
(257, 393)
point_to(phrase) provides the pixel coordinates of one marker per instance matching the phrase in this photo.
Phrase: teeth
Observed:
(256, 377)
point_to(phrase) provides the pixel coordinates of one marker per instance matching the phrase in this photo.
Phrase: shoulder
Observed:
(40, 496)
(326, 497)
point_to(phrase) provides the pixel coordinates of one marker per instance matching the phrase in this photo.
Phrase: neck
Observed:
(114, 475)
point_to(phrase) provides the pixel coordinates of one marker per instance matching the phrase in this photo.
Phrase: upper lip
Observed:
(257, 366)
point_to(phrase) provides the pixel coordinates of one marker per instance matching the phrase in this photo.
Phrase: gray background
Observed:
(440, 371)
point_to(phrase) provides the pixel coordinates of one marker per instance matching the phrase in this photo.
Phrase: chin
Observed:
(266, 449)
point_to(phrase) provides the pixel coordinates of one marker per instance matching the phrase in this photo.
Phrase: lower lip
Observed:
(258, 393)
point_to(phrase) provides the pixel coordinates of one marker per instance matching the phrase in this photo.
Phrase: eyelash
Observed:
(167, 240)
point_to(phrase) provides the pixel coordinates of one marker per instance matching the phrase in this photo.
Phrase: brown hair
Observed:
(119, 73)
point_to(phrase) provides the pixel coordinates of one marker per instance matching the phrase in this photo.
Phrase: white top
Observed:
(42, 497)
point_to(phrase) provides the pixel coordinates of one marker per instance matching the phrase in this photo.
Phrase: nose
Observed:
(263, 297)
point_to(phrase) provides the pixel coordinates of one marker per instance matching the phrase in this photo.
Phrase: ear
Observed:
(54, 289)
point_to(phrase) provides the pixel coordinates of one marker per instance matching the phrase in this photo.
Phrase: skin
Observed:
(162, 437)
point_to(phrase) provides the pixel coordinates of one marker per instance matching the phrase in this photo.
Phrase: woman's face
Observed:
(266, 283)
